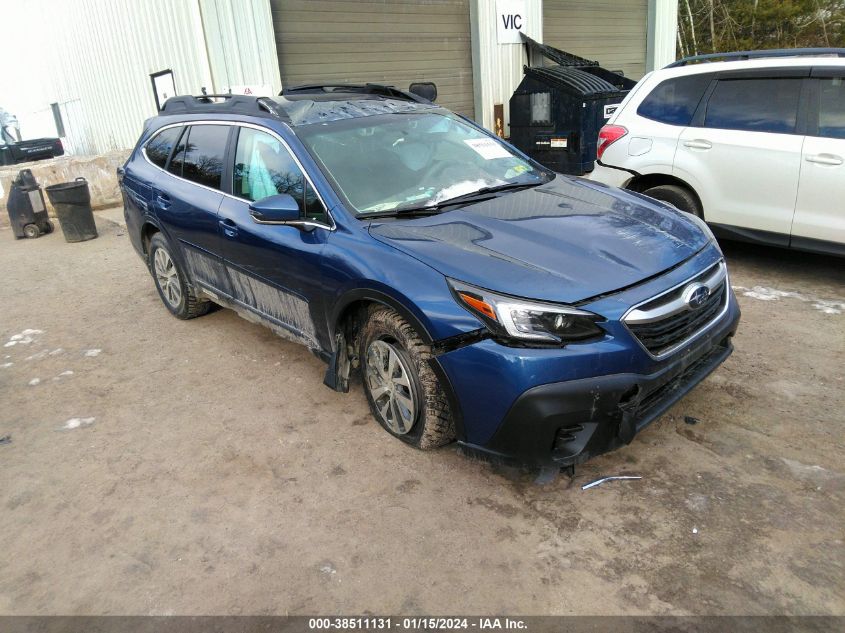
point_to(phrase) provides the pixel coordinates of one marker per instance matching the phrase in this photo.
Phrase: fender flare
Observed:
(377, 296)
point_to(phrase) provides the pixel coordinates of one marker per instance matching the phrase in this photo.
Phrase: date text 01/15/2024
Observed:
(414, 623)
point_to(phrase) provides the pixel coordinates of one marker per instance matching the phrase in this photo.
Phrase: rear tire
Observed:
(679, 197)
(31, 231)
(172, 285)
(394, 365)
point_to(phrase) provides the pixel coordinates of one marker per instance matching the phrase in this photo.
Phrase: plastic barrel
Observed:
(72, 202)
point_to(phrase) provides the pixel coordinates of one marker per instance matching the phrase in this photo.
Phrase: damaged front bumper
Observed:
(513, 411)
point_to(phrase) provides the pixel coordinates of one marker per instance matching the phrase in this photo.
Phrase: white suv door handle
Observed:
(825, 159)
(698, 144)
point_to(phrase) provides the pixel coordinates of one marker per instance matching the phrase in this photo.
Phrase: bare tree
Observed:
(692, 28)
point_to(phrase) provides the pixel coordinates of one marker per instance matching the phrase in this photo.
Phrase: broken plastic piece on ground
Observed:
(6, 439)
(688, 419)
(599, 482)
(548, 474)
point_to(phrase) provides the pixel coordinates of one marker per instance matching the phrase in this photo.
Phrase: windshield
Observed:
(411, 160)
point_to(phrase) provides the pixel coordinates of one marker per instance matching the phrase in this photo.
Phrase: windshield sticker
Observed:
(487, 148)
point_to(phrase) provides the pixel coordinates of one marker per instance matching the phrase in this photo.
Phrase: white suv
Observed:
(754, 146)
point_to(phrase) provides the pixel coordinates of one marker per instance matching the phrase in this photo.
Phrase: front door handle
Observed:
(230, 229)
(698, 144)
(824, 159)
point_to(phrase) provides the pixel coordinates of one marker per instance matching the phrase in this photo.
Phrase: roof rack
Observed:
(381, 90)
(222, 104)
(775, 52)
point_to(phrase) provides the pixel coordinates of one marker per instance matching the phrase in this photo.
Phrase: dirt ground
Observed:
(201, 467)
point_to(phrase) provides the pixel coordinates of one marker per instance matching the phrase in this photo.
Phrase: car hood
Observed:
(565, 241)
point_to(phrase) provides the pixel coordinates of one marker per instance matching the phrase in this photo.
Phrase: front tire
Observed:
(679, 197)
(404, 394)
(173, 289)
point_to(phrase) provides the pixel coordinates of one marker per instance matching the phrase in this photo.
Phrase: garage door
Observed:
(613, 32)
(394, 42)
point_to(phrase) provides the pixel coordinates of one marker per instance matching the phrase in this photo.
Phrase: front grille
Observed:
(660, 336)
(659, 395)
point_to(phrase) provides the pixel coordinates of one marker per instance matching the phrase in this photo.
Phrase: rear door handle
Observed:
(230, 229)
(162, 200)
(824, 159)
(698, 144)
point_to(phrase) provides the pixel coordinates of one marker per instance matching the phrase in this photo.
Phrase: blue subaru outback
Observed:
(534, 318)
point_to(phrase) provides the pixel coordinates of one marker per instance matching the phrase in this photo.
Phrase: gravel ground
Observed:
(166, 467)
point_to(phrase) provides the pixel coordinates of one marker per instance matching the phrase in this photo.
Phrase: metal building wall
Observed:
(101, 53)
(613, 32)
(241, 44)
(498, 67)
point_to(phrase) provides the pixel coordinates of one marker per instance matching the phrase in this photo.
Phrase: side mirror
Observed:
(425, 89)
(276, 209)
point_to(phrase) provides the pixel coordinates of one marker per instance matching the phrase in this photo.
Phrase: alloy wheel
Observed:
(389, 382)
(167, 277)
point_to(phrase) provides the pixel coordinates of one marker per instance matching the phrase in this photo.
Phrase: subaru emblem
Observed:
(696, 295)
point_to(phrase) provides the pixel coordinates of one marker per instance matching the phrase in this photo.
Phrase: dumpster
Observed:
(72, 202)
(557, 111)
(27, 213)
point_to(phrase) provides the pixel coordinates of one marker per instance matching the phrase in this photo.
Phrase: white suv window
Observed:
(832, 107)
(674, 101)
(754, 105)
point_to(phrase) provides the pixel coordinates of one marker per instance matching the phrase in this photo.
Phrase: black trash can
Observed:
(27, 213)
(72, 202)
(557, 111)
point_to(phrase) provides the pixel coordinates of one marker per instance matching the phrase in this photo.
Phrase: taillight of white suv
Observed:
(608, 135)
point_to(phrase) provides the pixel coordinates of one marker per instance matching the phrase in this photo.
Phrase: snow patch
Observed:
(23, 338)
(761, 293)
(34, 382)
(91, 353)
(6, 365)
(75, 423)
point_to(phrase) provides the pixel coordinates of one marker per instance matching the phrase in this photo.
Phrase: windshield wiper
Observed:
(485, 193)
(418, 212)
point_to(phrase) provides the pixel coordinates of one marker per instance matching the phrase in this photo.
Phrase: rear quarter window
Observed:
(674, 101)
(159, 147)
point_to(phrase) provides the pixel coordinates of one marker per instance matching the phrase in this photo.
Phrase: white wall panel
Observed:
(241, 44)
(101, 53)
(498, 67)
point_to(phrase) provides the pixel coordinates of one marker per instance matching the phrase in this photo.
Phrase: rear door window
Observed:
(754, 105)
(832, 107)
(674, 101)
(204, 154)
(158, 149)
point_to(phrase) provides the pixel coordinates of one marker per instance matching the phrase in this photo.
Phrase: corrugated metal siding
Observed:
(394, 42)
(237, 33)
(499, 66)
(612, 32)
(101, 53)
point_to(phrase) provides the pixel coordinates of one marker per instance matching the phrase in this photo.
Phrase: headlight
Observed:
(527, 320)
